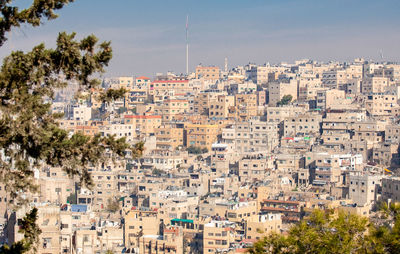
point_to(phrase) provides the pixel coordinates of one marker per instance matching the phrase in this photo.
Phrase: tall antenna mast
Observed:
(187, 45)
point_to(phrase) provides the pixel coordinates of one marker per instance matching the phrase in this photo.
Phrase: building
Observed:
(276, 91)
(218, 236)
(211, 73)
(391, 189)
(364, 189)
(371, 85)
(201, 135)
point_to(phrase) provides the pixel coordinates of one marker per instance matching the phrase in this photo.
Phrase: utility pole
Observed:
(187, 45)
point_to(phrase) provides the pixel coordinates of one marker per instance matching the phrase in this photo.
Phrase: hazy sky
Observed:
(148, 36)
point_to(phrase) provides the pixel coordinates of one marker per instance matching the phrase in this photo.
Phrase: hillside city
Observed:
(230, 155)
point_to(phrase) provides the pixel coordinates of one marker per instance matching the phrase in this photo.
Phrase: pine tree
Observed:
(30, 136)
(328, 232)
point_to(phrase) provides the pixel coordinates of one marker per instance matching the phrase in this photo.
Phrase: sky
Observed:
(148, 36)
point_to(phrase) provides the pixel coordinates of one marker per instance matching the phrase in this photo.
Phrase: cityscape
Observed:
(300, 156)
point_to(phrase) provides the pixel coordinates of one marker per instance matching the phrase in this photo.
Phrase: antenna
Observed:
(226, 64)
(187, 45)
(381, 54)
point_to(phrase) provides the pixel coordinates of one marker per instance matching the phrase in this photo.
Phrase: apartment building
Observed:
(119, 130)
(329, 169)
(162, 89)
(170, 108)
(371, 85)
(171, 241)
(336, 79)
(218, 236)
(138, 223)
(204, 100)
(392, 133)
(169, 137)
(251, 136)
(208, 73)
(142, 83)
(391, 71)
(364, 189)
(261, 224)
(302, 125)
(201, 135)
(143, 124)
(246, 106)
(221, 106)
(289, 211)
(253, 167)
(276, 91)
(327, 99)
(308, 88)
(380, 105)
(391, 189)
(279, 114)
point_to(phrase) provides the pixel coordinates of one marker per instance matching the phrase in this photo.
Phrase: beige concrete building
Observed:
(278, 114)
(302, 125)
(169, 137)
(329, 98)
(208, 72)
(171, 241)
(371, 85)
(251, 136)
(379, 105)
(138, 92)
(276, 91)
(204, 100)
(259, 225)
(162, 89)
(336, 79)
(138, 223)
(245, 106)
(308, 88)
(253, 167)
(55, 185)
(201, 135)
(143, 124)
(170, 108)
(221, 106)
(218, 235)
(363, 189)
(391, 189)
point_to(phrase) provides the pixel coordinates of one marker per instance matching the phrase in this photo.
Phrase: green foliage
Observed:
(72, 198)
(286, 99)
(113, 94)
(158, 172)
(113, 205)
(31, 233)
(386, 235)
(11, 16)
(28, 132)
(328, 232)
(196, 150)
(29, 136)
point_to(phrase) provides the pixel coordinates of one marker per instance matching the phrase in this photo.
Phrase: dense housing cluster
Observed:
(230, 155)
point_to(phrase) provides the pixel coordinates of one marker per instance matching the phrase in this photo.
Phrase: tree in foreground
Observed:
(328, 232)
(29, 135)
